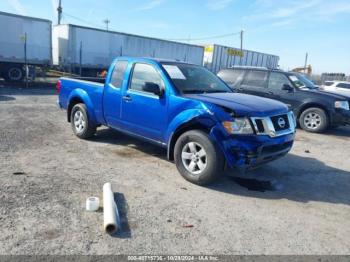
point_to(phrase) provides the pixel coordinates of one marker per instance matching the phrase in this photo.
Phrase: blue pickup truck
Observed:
(185, 108)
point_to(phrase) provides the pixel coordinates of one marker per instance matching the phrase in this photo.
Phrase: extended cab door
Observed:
(143, 112)
(254, 83)
(112, 95)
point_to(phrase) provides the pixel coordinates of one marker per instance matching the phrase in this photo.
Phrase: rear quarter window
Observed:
(343, 85)
(328, 83)
(231, 77)
(118, 73)
(255, 78)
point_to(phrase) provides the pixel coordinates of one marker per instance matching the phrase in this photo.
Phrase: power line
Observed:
(175, 39)
(81, 20)
(206, 38)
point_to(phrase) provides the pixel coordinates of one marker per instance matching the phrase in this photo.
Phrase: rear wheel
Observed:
(14, 74)
(197, 159)
(314, 120)
(81, 124)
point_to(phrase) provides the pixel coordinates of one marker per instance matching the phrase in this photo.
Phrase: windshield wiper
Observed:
(217, 91)
(193, 91)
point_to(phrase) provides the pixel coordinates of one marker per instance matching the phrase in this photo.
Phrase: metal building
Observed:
(217, 57)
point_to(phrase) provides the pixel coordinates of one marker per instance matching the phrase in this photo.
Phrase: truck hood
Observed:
(243, 104)
(342, 93)
(330, 95)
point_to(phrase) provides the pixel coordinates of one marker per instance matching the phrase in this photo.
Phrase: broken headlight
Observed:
(240, 126)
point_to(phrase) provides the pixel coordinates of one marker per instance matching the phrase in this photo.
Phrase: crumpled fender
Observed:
(201, 114)
(83, 95)
(225, 143)
(209, 116)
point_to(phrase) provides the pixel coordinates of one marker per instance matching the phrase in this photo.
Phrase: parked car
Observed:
(314, 109)
(337, 86)
(184, 108)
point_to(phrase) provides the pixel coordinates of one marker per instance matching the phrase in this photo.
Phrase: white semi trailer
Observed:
(24, 41)
(88, 50)
(217, 57)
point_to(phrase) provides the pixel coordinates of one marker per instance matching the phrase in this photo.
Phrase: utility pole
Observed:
(106, 21)
(24, 39)
(305, 67)
(241, 55)
(59, 12)
(80, 57)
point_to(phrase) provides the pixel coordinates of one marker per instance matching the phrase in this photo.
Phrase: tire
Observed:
(205, 169)
(314, 120)
(81, 124)
(14, 74)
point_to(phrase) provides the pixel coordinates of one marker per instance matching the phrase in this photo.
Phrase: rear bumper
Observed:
(59, 104)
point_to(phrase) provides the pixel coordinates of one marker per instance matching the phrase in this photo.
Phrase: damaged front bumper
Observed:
(248, 151)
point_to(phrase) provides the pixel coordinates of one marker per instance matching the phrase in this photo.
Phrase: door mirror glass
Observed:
(152, 88)
(287, 87)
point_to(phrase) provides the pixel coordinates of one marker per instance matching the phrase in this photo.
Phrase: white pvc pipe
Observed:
(110, 210)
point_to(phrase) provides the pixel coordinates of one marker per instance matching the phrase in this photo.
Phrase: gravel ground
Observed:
(295, 205)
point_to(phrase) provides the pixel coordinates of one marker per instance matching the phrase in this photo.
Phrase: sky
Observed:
(287, 28)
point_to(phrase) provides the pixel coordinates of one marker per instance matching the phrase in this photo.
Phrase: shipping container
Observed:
(76, 47)
(217, 57)
(16, 32)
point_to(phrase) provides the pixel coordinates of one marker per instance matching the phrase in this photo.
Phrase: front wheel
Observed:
(314, 120)
(81, 124)
(197, 159)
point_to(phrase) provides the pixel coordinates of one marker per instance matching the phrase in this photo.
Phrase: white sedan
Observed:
(336, 86)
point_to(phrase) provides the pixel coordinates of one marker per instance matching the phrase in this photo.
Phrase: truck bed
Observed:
(100, 80)
(90, 88)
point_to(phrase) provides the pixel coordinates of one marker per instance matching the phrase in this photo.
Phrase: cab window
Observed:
(277, 80)
(144, 74)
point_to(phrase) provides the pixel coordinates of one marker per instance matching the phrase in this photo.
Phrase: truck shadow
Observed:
(295, 178)
(343, 131)
(6, 98)
(30, 91)
(110, 136)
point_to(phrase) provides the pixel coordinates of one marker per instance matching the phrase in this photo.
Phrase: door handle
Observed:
(127, 98)
(270, 92)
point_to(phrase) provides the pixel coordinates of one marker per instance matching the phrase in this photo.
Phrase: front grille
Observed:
(280, 122)
(273, 126)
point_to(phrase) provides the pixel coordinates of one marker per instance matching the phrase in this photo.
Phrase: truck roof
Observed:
(154, 59)
(262, 68)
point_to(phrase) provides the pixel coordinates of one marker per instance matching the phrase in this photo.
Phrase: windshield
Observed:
(302, 81)
(192, 79)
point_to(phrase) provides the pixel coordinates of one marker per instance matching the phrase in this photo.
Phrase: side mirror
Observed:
(153, 88)
(287, 87)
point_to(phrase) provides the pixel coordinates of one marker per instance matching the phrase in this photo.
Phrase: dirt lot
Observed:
(297, 205)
